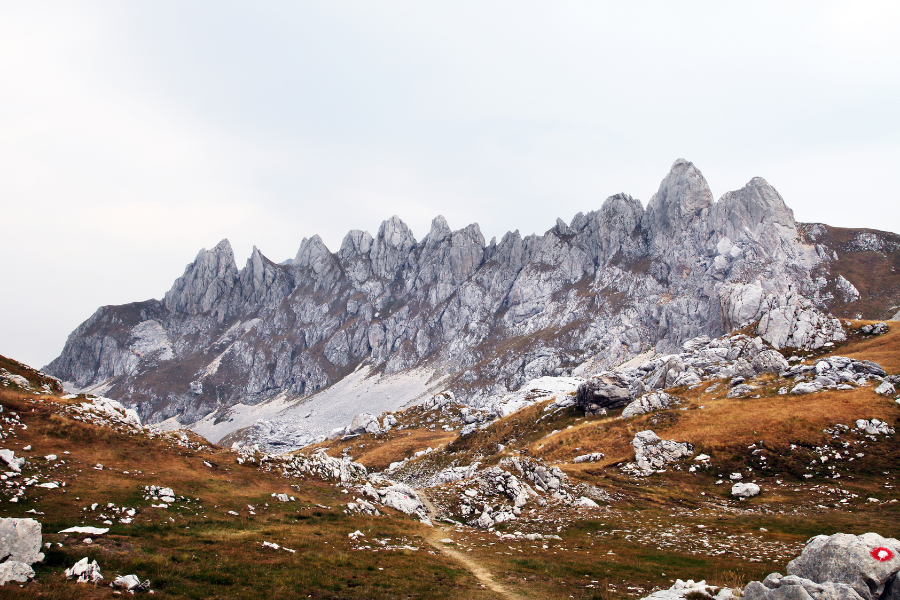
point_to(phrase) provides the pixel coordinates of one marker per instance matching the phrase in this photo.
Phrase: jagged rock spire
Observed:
(683, 199)
(208, 279)
(755, 207)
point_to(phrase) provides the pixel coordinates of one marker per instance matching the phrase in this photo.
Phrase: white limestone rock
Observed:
(648, 403)
(585, 502)
(15, 571)
(848, 291)
(865, 562)
(886, 389)
(85, 572)
(401, 497)
(874, 427)
(799, 324)
(652, 453)
(20, 540)
(807, 387)
(683, 589)
(744, 490)
(592, 457)
(769, 361)
(364, 423)
(14, 463)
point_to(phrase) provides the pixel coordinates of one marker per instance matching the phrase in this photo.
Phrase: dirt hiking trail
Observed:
(438, 532)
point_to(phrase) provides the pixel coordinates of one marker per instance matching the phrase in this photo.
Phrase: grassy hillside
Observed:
(649, 531)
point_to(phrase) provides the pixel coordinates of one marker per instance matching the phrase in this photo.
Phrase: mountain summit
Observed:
(293, 350)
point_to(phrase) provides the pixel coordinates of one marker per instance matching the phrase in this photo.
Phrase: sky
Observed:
(132, 134)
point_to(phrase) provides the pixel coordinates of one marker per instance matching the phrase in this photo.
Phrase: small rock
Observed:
(85, 572)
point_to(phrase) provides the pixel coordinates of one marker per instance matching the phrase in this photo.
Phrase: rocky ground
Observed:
(665, 482)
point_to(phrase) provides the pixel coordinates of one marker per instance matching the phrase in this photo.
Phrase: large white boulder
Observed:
(364, 423)
(769, 361)
(692, 589)
(652, 452)
(401, 497)
(20, 541)
(15, 571)
(885, 389)
(864, 562)
(744, 490)
(648, 403)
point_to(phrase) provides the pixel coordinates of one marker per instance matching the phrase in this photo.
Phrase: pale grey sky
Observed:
(134, 133)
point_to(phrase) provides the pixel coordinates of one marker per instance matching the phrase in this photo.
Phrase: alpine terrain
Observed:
(287, 354)
(694, 401)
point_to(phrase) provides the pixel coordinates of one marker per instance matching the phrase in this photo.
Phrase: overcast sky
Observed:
(134, 133)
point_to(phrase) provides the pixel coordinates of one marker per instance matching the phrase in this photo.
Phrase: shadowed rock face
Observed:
(614, 282)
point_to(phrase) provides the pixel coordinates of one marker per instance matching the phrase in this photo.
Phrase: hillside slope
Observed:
(515, 508)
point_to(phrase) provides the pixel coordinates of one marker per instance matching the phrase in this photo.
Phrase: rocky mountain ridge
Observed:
(476, 318)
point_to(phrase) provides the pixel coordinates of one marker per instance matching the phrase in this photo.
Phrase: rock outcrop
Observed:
(799, 325)
(652, 453)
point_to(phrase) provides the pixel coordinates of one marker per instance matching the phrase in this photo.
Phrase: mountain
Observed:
(285, 353)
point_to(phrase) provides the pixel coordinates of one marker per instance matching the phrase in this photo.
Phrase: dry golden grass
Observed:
(723, 423)
(196, 549)
(883, 349)
(378, 453)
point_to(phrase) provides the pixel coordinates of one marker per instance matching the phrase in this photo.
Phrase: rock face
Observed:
(613, 283)
(840, 566)
(20, 547)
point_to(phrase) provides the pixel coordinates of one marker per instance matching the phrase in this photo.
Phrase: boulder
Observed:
(585, 502)
(874, 427)
(20, 541)
(744, 490)
(592, 457)
(865, 562)
(798, 324)
(364, 423)
(652, 452)
(131, 583)
(401, 497)
(15, 571)
(876, 329)
(599, 395)
(769, 361)
(742, 390)
(886, 389)
(776, 587)
(807, 387)
(648, 403)
(691, 589)
(9, 457)
(743, 368)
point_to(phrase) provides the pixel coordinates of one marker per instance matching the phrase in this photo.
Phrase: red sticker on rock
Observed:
(882, 554)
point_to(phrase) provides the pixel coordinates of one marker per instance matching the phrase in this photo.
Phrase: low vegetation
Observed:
(682, 523)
